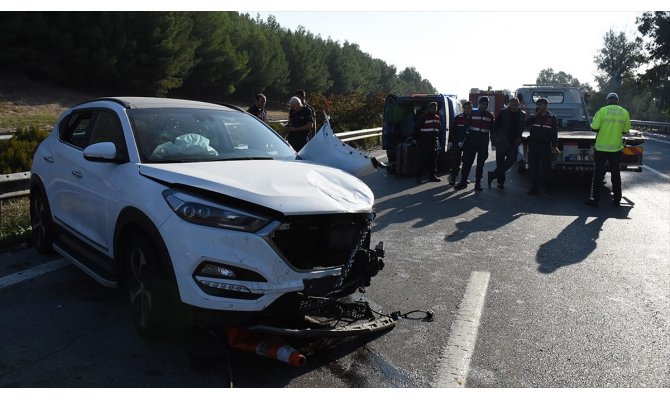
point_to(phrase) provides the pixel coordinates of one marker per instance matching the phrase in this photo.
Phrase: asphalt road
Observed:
(573, 297)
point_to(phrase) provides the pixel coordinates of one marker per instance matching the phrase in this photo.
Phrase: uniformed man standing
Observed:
(509, 127)
(299, 125)
(543, 130)
(457, 136)
(481, 131)
(611, 123)
(427, 135)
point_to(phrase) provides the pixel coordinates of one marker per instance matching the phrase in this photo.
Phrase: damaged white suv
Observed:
(198, 211)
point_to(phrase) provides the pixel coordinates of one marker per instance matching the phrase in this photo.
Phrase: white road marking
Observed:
(656, 140)
(657, 172)
(455, 362)
(33, 272)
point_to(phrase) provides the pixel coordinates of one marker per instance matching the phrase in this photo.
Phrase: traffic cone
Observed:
(273, 348)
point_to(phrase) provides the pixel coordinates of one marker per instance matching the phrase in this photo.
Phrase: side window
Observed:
(76, 129)
(107, 128)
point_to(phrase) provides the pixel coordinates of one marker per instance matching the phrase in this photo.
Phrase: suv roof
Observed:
(157, 102)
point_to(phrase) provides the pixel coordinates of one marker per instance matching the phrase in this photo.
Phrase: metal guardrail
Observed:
(14, 185)
(360, 134)
(659, 126)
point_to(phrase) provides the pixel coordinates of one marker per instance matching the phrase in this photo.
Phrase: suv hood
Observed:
(290, 187)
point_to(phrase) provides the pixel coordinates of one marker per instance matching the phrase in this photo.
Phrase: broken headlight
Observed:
(203, 212)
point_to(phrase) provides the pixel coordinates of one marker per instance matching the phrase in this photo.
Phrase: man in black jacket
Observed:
(509, 126)
(541, 144)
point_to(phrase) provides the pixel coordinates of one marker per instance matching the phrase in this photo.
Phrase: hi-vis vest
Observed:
(611, 122)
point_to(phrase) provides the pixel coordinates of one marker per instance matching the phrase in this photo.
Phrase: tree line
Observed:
(213, 56)
(638, 69)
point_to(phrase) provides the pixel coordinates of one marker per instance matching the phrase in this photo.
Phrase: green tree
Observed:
(306, 57)
(656, 27)
(268, 67)
(549, 77)
(222, 63)
(617, 60)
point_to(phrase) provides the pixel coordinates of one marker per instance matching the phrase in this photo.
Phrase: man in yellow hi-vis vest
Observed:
(611, 122)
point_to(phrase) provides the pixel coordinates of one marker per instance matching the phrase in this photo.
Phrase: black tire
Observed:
(153, 297)
(41, 222)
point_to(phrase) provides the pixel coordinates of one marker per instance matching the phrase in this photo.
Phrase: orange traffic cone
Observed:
(246, 340)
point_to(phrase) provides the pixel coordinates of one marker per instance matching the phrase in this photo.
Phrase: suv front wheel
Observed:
(152, 293)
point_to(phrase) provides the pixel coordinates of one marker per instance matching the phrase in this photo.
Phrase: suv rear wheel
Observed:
(152, 293)
(41, 222)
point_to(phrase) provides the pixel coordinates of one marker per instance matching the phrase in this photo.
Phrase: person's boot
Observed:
(490, 176)
(434, 178)
(461, 185)
(478, 185)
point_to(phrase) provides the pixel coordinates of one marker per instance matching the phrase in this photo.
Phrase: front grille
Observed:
(319, 241)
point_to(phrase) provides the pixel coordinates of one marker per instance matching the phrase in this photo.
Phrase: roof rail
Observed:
(233, 107)
(118, 101)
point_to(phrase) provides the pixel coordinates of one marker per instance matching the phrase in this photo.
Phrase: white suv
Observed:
(197, 210)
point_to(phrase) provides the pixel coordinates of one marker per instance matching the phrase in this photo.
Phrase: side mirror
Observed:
(101, 152)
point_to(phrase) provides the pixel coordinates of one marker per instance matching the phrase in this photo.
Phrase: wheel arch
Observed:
(133, 220)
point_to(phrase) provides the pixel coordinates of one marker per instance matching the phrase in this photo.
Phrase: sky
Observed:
(456, 45)
(457, 51)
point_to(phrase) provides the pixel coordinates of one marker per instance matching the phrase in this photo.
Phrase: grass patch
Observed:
(24, 121)
(15, 222)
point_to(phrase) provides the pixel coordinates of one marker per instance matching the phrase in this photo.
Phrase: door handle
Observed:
(77, 174)
(49, 159)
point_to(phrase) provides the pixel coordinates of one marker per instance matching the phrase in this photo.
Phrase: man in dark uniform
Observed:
(541, 144)
(481, 130)
(258, 108)
(457, 137)
(509, 127)
(427, 136)
(299, 125)
(303, 97)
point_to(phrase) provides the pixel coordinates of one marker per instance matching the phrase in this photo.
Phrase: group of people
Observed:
(301, 118)
(472, 130)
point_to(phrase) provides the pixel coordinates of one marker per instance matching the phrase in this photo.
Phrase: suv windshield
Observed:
(187, 135)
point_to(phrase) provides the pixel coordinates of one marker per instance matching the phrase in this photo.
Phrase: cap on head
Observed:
(484, 99)
(613, 96)
(541, 100)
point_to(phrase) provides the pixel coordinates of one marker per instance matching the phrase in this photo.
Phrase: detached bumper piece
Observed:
(328, 318)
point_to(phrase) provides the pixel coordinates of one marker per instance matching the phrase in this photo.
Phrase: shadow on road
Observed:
(401, 201)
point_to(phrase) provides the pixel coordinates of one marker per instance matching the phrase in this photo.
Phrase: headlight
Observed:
(199, 212)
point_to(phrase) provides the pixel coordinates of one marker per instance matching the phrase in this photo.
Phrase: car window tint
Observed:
(107, 128)
(76, 129)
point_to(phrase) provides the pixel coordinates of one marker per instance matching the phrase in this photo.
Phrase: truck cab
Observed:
(401, 114)
(566, 102)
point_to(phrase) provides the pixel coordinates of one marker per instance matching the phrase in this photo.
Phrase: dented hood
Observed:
(290, 187)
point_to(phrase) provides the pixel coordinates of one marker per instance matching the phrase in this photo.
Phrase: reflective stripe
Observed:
(474, 128)
(541, 126)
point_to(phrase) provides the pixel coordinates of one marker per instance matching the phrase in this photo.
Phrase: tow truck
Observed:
(576, 140)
